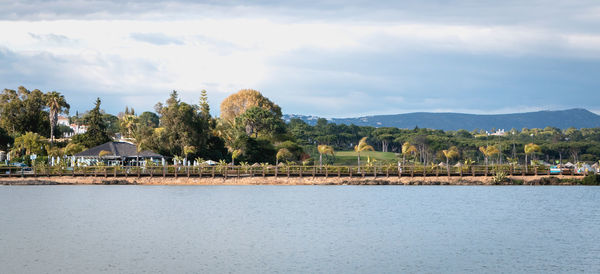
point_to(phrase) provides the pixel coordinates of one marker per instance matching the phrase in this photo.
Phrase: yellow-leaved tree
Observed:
(407, 148)
(236, 104)
(324, 149)
(530, 148)
(450, 154)
(362, 146)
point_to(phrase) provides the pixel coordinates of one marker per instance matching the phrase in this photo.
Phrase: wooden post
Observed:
(176, 170)
(225, 172)
(276, 170)
(188, 171)
(115, 171)
(326, 172)
(375, 171)
(460, 170)
(288, 172)
(412, 171)
(105, 175)
(399, 172)
(387, 172)
(350, 171)
(151, 172)
(535, 170)
(34, 171)
(264, 171)
(73, 172)
(339, 172)
(300, 174)
(314, 171)
(213, 172)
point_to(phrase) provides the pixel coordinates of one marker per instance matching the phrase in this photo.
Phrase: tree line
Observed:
(250, 130)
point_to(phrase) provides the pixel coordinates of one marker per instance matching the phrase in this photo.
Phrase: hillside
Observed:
(578, 118)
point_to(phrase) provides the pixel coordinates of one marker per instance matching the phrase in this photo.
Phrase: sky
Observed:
(327, 58)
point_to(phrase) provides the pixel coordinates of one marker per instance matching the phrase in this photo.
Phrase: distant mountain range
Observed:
(578, 118)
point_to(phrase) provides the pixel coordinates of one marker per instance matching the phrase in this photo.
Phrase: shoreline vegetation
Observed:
(250, 134)
(567, 180)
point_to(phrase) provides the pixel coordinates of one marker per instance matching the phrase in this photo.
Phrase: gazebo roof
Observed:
(117, 150)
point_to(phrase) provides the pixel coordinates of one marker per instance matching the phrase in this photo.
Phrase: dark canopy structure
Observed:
(120, 151)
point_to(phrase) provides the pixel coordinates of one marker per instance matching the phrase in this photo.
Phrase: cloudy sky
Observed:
(329, 58)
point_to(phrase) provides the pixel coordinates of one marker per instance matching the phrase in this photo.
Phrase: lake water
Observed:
(307, 229)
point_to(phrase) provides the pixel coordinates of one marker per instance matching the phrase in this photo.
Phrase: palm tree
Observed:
(362, 146)
(468, 163)
(234, 154)
(407, 148)
(488, 151)
(128, 122)
(72, 149)
(283, 154)
(324, 149)
(30, 142)
(449, 154)
(57, 103)
(530, 148)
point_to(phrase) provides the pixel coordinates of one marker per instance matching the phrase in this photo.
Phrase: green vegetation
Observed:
(251, 130)
(349, 157)
(426, 146)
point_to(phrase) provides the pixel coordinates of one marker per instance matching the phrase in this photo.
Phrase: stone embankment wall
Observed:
(511, 180)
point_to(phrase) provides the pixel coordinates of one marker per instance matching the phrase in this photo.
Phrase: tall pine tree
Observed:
(96, 132)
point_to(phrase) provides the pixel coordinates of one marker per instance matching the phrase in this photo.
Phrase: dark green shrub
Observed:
(592, 179)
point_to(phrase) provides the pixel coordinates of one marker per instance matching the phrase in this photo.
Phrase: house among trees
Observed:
(72, 128)
(117, 153)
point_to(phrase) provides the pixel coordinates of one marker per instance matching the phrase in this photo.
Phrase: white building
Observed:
(499, 132)
(77, 129)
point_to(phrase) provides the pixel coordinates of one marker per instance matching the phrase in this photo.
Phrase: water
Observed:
(309, 229)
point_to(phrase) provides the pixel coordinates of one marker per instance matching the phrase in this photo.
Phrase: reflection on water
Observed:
(257, 229)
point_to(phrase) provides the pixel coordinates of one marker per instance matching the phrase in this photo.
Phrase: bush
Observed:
(500, 177)
(592, 179)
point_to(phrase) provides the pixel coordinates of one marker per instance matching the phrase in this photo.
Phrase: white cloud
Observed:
(224, 54)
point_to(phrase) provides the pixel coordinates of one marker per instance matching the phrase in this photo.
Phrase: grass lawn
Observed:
(349, 157)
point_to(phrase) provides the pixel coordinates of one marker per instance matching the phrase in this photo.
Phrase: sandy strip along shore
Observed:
(511, 180)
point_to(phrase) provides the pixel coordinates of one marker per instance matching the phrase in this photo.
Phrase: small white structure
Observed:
(499, 132)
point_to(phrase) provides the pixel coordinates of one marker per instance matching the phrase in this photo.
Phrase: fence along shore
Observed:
(227, 171)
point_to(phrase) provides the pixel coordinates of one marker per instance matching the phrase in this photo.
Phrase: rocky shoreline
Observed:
(510, 180)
